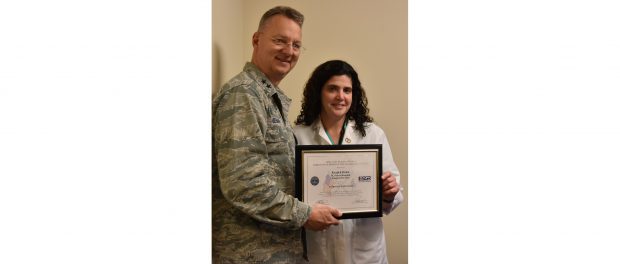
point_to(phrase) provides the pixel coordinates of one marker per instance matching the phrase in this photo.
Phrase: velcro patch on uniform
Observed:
(275, 120)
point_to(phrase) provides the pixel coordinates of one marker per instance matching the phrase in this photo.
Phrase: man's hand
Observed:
(390, 187)
(321, 217)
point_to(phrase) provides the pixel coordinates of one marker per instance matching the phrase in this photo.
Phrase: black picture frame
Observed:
(341, 153)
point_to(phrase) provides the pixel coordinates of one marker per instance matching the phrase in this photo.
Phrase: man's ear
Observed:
(255, 39)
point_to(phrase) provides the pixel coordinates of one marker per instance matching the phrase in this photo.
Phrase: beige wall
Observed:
(369, 34)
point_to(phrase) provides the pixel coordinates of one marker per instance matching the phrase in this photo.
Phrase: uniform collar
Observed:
(261, 79)
(269, 88)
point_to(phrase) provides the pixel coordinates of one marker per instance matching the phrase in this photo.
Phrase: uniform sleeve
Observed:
(244, 172)
(390, 165)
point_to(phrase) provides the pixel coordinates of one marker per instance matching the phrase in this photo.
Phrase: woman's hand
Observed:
(390, 187)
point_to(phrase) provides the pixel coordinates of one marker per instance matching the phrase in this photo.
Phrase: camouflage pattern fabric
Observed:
(256, 218)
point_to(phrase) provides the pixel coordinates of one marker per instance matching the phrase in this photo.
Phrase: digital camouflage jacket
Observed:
(256, 218)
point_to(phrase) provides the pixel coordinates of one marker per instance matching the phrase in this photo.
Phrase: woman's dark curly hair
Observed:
(311, 103)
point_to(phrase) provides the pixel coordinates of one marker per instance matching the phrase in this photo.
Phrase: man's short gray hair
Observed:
(282, 10)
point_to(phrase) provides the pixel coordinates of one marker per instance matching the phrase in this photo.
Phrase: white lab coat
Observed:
(354, 240)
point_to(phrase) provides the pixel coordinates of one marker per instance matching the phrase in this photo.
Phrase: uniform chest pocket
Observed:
(276, 132)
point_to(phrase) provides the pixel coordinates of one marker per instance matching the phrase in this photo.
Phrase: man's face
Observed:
(277, 47)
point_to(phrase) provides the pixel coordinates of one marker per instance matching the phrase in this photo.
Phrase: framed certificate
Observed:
(347, 177)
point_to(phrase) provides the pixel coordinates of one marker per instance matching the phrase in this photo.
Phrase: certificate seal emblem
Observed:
(314, 180)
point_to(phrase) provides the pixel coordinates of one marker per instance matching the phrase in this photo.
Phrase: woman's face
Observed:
(336, 96)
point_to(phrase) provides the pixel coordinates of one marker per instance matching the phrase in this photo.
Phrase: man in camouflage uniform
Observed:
(255, 217)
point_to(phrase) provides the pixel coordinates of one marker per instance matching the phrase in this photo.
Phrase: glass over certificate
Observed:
(347, 177)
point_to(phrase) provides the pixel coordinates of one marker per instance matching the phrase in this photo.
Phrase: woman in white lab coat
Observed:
(334, 111)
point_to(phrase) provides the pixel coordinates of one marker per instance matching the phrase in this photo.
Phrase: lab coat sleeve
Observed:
(390, 165)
